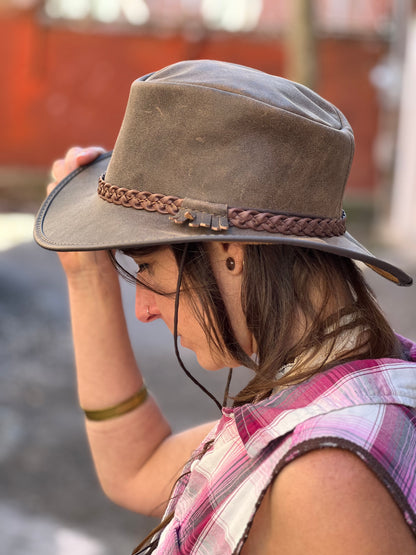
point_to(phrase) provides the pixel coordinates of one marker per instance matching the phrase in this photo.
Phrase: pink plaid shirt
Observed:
(367, 407)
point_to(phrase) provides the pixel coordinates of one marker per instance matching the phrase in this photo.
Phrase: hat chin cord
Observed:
(175, 340)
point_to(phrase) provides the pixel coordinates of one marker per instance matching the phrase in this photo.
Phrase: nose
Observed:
(146, 307)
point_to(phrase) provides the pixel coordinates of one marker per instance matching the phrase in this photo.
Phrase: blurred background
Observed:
(65, 71)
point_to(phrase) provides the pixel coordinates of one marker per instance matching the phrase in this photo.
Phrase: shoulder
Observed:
(327, 501)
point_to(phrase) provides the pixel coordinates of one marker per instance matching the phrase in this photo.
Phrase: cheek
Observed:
(187, 318)
(189, 325)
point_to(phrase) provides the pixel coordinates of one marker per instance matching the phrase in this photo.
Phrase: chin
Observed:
(214, 364)
(210, 364)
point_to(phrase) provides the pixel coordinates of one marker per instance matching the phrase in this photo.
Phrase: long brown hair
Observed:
(279, 296)
(278, 291)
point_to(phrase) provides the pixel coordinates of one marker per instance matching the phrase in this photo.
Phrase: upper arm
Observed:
(165, 466)
(328, 502)
(146, 489)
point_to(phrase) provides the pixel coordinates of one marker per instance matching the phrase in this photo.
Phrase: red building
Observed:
(65, 78)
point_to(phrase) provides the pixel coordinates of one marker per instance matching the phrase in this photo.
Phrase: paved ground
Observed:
(50, 502)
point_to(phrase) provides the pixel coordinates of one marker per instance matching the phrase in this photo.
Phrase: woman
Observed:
(225, 187)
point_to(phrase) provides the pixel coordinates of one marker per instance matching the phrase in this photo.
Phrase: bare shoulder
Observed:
(329, 502)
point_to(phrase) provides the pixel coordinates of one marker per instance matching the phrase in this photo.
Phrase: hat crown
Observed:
(223, 133)
(229, 153)
(250, 83)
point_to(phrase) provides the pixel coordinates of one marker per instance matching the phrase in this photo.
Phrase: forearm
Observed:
(107, 374)
(134, 453)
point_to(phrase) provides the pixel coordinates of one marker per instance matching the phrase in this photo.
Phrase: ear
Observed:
(222, 251)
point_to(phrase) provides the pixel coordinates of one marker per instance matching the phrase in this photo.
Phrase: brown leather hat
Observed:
(214, 151)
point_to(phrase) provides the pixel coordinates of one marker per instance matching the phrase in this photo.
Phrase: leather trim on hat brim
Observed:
(74, 218)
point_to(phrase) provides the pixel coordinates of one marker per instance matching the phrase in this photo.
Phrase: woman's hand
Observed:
(74, 158)
(80, 264)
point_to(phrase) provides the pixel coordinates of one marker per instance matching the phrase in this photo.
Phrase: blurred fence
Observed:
(66, 81)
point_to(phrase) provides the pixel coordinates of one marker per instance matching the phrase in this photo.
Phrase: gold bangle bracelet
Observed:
(121, 408)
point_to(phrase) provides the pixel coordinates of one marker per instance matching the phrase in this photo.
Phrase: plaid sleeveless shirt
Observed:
(367, 407)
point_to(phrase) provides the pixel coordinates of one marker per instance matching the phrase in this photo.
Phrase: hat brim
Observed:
(74, 218)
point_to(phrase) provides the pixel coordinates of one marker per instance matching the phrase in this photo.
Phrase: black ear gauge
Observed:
(230, 263)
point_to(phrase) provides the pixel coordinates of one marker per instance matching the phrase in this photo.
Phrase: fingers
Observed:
(50, 187)
(87, 155)
(58, 169)
(74, 158)
(64, 166)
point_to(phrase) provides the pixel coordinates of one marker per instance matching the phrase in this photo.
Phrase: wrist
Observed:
(84, 266)
(93, 276)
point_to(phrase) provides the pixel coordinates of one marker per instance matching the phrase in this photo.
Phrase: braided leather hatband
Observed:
(237, 217)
